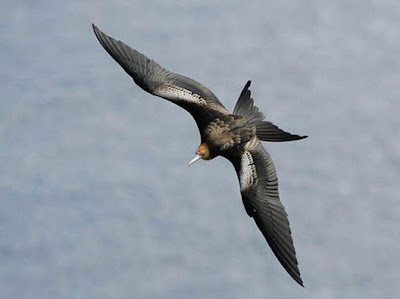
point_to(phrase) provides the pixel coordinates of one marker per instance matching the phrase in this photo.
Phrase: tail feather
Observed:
(245, 106)
(265, 130)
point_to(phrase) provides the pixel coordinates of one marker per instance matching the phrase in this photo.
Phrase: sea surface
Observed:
(97, 201)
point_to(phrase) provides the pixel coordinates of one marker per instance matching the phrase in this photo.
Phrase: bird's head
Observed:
(202, 152)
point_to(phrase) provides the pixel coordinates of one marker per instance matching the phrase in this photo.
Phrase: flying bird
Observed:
(235, 136)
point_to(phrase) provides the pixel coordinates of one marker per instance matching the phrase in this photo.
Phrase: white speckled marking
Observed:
(252, 144)
(248, 174)
(174, 93)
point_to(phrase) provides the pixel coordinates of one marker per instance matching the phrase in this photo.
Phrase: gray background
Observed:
(96, 199)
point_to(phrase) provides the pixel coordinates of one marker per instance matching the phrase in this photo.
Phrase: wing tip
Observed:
(98, 33)
(95, 29)
(248, 83)
(298, 279)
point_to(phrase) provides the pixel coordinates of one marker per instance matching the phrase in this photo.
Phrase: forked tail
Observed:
(265, 130)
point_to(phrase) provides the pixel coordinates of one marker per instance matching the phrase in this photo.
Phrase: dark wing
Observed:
(266, 131)
(153, 78)
(259, 189)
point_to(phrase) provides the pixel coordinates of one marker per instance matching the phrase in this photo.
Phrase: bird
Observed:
(235, 136)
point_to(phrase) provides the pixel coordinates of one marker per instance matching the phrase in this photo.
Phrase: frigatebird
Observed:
(235, 136)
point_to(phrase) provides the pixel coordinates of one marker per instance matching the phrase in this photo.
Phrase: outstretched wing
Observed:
(259, 189)
(153, 78)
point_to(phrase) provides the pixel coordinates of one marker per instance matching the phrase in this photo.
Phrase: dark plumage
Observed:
(235, 136)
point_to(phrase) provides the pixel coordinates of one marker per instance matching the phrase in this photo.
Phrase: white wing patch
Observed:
(248, 173)
(176, 93)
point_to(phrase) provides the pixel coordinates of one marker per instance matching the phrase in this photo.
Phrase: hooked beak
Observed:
(198, 157)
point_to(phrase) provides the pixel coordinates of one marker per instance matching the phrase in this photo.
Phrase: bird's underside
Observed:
(235, 136)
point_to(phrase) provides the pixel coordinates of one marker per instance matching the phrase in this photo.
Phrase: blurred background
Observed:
(96, 199)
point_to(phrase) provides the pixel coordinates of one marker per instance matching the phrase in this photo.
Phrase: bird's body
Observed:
(235, 136)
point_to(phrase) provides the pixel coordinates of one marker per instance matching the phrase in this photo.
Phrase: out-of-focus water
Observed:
(96, 199)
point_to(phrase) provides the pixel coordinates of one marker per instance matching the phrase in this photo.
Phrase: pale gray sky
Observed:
(96, 199)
